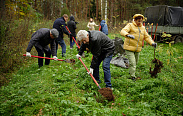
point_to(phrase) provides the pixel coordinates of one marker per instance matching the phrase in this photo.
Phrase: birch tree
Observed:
(106, 10)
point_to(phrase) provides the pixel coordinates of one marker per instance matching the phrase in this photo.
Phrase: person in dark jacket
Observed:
(103, 27)
(60, 24)
(40, 39)
(72, 27)
(102, 48)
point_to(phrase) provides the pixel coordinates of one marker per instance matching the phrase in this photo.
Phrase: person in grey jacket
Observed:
(40, 40)
(102, 48)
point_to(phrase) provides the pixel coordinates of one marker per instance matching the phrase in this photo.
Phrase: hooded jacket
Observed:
(139, 32)
(72, 25)
(100, 45)
(41, 38)
(59, 24)
(104, 27)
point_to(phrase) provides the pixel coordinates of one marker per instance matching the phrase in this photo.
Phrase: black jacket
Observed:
(59, 24)
(100, 46)
(41, 38)
(72, 26)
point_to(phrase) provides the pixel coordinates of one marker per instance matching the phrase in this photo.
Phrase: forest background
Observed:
(20, 18)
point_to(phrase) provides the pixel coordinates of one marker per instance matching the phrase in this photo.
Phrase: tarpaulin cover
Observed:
(164, 15)
(120, 60)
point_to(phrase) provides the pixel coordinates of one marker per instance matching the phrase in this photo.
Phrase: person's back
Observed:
(104, 27)
(72, 25)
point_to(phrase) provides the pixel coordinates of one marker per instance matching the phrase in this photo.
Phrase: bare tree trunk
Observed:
(2, 8)
(89, 8)
(97, 9)
(86, 10)
(106, 10)
(111, 12)
(101, 10)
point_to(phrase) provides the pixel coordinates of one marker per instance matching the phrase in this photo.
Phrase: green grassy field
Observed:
(66, 89)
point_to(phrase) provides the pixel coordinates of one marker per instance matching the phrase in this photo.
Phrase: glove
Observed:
(154, 45)
(78, 56)
(91, 71)
(28, 54)
(77, 22)
(55, 58)
(130, 36)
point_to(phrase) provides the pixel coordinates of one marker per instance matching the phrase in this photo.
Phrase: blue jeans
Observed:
(72, 42)
(106, 69)
(61, 42)
(41, 53)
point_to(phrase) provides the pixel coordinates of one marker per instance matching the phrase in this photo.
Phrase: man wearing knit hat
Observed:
(40, 40)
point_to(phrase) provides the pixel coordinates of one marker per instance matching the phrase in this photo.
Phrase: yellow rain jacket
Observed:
(139, 32)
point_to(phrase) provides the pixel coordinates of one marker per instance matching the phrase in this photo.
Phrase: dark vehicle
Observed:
(167, 20)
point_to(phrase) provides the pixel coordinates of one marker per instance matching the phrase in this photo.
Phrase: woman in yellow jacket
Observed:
(134, 34)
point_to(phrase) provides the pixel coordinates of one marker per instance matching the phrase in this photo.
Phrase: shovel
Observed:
(106, 92)
(67, 60)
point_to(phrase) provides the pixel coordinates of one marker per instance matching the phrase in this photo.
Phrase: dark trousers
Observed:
(106, 69)
(72, 42)
(61, 42)
(41, 53)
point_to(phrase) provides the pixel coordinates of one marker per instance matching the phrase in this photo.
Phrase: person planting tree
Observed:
(134, 34)
(40, 39)
(102, 48)
(60, 24)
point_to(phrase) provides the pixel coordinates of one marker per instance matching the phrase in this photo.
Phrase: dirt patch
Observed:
(70, 61)
(107, 93)
(157, 68)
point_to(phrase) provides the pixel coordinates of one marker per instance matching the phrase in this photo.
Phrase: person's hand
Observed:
(154, 45)
(78, 56)
(28, 54)
(77, 22)
(91, 71)
(55, 58)
(130, 36)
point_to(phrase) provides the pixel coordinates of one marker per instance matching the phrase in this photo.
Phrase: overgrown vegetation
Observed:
(65, 89)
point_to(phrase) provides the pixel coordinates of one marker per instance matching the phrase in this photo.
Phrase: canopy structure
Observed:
(164, 15)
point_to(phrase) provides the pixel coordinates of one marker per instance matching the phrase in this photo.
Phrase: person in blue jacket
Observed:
(60, 25)
(103, 27)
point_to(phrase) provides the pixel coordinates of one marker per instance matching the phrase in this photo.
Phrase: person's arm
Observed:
(74, 24)
(96, 24)
(82, 48)
(97, 48)
(88, 25)
(64, 28)
(125, 31)
(53, 48)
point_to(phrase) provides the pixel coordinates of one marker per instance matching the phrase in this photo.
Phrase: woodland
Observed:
(66, 89)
